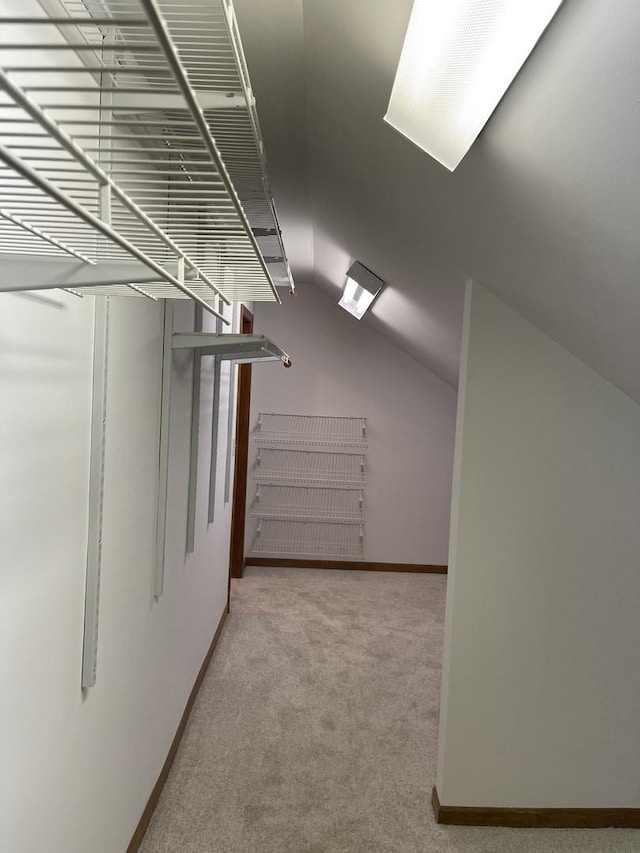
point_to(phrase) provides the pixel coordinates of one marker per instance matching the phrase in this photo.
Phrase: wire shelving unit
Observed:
(310, 475)
(131, 154)
(308, 540)
(300, 503)
(310, 467)
(279, 429)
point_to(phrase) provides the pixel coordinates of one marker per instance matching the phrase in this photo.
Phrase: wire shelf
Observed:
(129, 130)
(324, 431)
(308, 540)
(299, 503)
(310, 467)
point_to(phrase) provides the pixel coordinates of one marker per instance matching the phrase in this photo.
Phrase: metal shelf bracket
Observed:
(240, 348)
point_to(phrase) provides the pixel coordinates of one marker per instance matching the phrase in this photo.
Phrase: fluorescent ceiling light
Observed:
(458, 60)
(361, 289)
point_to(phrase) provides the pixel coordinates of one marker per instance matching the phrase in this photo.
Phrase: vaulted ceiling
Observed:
(544, 210)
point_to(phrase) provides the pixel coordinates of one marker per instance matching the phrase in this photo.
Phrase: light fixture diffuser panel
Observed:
(459, 58)
(361, 288)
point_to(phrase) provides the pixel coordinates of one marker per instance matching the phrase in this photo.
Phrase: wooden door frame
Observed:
(239, 505)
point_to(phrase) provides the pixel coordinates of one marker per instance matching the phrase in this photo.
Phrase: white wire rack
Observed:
(324, 431)
(129, 132)
(308, 540)
(299, 503)
(313, 468)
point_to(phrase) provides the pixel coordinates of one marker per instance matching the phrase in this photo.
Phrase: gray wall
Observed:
(540, 688)
(342, 367)
(85, 762)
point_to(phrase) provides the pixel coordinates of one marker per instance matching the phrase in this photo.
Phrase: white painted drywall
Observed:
(77, 768)
(540, 691)
(342, 367)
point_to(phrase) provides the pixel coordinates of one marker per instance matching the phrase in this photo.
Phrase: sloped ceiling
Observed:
(544, 210)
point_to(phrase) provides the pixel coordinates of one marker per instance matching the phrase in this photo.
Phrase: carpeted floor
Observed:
(315, 730)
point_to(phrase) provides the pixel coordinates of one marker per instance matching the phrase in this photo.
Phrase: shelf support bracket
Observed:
(215, 427)
(195, 433)
(231, 448)
(163, 455)
(96, 490)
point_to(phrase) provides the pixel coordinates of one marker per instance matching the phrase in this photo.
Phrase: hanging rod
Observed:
(46, 186)
(79, 22)
(103, 179)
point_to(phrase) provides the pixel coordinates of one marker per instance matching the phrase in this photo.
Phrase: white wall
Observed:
(77, 768)
(342, 367)
(541, 689)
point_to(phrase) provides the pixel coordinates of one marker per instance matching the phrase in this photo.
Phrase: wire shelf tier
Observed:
(309, 467)
(319, 430)
(129, 131)
(308, 540)
(300, 503)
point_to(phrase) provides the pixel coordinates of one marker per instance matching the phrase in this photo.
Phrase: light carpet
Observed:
(315, 730)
